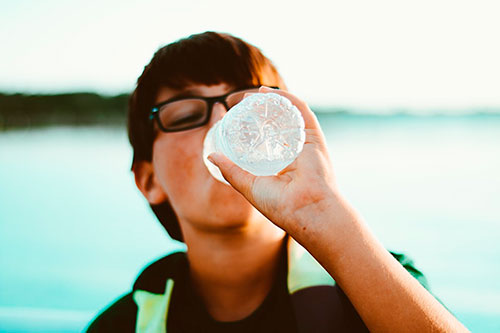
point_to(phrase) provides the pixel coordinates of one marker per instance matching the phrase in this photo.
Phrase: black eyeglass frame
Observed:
(210, 102)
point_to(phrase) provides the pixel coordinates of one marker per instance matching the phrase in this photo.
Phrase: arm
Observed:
(303, 199)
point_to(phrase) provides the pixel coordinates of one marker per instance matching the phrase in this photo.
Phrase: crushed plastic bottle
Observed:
(262, 134)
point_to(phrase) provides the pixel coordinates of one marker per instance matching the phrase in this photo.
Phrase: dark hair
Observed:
(208, 58)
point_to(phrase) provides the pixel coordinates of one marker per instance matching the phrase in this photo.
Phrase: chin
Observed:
(228, 208)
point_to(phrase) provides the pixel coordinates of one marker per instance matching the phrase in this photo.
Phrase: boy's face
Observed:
(197, 198)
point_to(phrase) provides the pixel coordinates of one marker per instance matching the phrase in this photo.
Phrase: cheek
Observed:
(178, 163)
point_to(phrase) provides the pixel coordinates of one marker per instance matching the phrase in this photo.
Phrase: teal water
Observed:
(75, 232)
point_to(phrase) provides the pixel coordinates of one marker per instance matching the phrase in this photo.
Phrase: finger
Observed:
(248, 94)
(241, 180)
(310, 119)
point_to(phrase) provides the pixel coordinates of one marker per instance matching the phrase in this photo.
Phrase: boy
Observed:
(244, 270)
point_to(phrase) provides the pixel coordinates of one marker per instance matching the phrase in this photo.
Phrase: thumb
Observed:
(240, 179)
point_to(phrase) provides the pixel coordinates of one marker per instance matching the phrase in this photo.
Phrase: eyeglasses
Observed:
(183, 113)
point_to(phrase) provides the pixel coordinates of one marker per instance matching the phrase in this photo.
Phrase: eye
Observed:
(183, 113)
(188, 119)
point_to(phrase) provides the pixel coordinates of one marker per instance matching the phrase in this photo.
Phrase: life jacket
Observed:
(318, 302)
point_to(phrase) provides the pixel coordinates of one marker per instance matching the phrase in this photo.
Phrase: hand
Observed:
(294, 197)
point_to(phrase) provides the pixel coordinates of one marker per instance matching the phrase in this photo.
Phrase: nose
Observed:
(218, 112)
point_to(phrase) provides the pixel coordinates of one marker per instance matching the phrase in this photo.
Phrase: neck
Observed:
(234, 271)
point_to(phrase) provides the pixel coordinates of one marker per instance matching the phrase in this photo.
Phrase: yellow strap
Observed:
(153, 309)
(303, 270)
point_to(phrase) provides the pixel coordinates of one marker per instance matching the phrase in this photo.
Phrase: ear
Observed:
(147, 183)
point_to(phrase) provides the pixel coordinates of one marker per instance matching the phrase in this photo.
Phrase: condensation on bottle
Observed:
(262, 134)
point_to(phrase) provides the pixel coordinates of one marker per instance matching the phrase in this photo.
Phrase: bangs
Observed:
(209, 59)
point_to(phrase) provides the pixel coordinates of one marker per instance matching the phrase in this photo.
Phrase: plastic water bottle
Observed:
(262, 134)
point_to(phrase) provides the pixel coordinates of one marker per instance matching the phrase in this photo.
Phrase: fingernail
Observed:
(213, 157)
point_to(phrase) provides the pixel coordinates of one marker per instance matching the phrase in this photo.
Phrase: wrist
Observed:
(335, 236)
(326, 219)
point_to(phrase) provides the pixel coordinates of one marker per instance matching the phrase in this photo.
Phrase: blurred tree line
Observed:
(20, 110)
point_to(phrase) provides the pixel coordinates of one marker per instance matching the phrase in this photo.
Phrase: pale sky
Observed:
(426, 54)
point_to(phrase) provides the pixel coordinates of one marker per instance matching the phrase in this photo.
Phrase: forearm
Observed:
(385, 295)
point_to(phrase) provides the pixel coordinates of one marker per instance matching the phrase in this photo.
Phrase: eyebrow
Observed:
(182, 94)
(195, 92)
(187, 93)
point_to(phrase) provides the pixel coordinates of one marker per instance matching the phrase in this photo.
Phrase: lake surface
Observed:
(75, 231)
